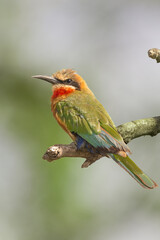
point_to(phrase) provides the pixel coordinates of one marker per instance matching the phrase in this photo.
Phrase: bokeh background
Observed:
(107, 43)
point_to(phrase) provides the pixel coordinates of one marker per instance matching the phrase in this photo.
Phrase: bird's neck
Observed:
(61, 92)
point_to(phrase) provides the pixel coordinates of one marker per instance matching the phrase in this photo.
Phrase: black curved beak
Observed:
(46, 78)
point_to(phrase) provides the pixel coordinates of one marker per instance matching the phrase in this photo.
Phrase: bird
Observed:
(84, 118)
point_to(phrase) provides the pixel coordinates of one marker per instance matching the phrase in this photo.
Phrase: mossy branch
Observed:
(129, 131)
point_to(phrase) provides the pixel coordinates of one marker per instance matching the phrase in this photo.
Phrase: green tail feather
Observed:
(134, 171)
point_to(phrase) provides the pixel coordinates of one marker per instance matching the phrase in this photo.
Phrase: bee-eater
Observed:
(83, 117)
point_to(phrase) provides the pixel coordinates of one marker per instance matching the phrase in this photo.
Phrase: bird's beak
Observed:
(46, 78)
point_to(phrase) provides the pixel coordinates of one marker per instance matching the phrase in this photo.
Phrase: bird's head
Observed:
(65, 82)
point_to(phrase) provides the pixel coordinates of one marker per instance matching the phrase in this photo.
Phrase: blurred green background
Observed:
(106, 42)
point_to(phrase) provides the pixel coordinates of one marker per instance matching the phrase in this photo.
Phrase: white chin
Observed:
(55, 87)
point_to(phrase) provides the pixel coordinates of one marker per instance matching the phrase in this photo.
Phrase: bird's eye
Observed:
(68, 80)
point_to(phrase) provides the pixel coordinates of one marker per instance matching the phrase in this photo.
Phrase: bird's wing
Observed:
(78, 117)
(85, 116)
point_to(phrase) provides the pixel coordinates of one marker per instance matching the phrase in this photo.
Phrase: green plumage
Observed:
(84, 115)
(82, 112)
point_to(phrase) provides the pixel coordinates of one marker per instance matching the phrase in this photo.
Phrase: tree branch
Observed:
(139, 128)
(154, 53)
(129, 131)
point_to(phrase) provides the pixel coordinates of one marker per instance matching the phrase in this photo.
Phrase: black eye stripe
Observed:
(75, 84)
(69, 82)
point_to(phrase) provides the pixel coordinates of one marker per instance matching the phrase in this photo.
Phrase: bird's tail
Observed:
(134, 171)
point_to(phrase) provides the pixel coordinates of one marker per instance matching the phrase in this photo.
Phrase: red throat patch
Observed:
(58, 92)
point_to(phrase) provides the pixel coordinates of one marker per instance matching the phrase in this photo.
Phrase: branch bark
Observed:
(129, 131)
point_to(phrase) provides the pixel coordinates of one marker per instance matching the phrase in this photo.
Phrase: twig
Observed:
(129, 131)
(154, 53)
(58, 151)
